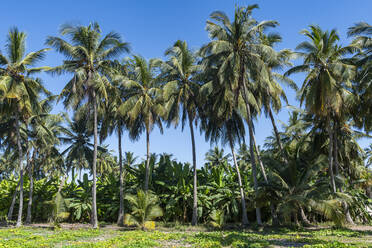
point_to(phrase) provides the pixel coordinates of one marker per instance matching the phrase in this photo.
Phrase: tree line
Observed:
(313, 168)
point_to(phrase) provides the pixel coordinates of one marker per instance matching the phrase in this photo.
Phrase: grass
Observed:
(169, 237)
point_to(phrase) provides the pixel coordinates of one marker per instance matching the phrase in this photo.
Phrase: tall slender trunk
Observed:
(121, 208)
(73, 174)
(14, 197)
(194, 220)
(272, 208)
(260, 160)
(335, 154)
(30, 165)
(62, 183)
(147, 169)
(245, 221)
(285, 158)
(94, 195)
(330, 156)
(20, 155)
(251, 145)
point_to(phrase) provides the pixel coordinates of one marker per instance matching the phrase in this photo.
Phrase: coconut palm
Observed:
(114, 121)
(143, 102)
(44, 136)
(144, 208)
(238, 43)
(88, 59)
(271, 97)
(181, 95)
(362, 33)
(328, 75)
(20, 92)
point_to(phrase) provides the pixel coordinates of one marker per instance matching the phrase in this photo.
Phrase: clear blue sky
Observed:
(152, 26)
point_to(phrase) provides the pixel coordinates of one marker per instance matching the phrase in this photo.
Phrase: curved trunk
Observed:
(11, 208)
(121, 208)
(194, 220)
(245, 221)
(147, 169)
(253, 159)
(20, 154)
(304, 218)
(272, 208)
(30, 165)
(94, 195)
(330, 157)
(285, 158)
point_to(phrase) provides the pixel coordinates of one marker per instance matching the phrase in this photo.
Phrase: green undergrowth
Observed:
(106, 237)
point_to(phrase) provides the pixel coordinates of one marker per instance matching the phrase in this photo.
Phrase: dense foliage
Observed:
(56, 168)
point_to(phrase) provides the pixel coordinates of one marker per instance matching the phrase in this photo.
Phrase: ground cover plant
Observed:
(165, 237)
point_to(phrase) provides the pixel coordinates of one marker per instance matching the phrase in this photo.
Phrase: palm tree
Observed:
(328, 75)
(144, 208)
(113, 120)
(79, 150)
(216, 157)
(238, 43)
(181, 95)
(229, 131)
(44, 136)
(271, 97)
(20, 92)
(362, 33)
(143, 103)
(88, 59)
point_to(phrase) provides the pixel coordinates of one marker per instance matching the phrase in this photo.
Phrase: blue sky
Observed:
(152, 26)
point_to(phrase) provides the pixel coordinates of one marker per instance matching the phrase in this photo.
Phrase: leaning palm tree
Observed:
(143, 103)
(20, 92)
(328, 75)
(237, 46)
(88, 59)
(271, 97)
(181, 95)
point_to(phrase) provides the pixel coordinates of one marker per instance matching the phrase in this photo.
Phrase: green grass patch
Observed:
(104, 238)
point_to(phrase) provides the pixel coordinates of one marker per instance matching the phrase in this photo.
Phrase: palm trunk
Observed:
(295, 218)
(260, 160)
(245, 221)
(251, 144)
(272, 208)
(20, 153)
(62, 184)
(285, 158)
(121, 208)
(194, 220)
(30, 193)
(335, 152)
(330, 157)
(94, 196)
(304, 218)
(11, 209)
(147, 169)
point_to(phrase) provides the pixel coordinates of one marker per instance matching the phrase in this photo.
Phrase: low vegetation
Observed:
(203, 238)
